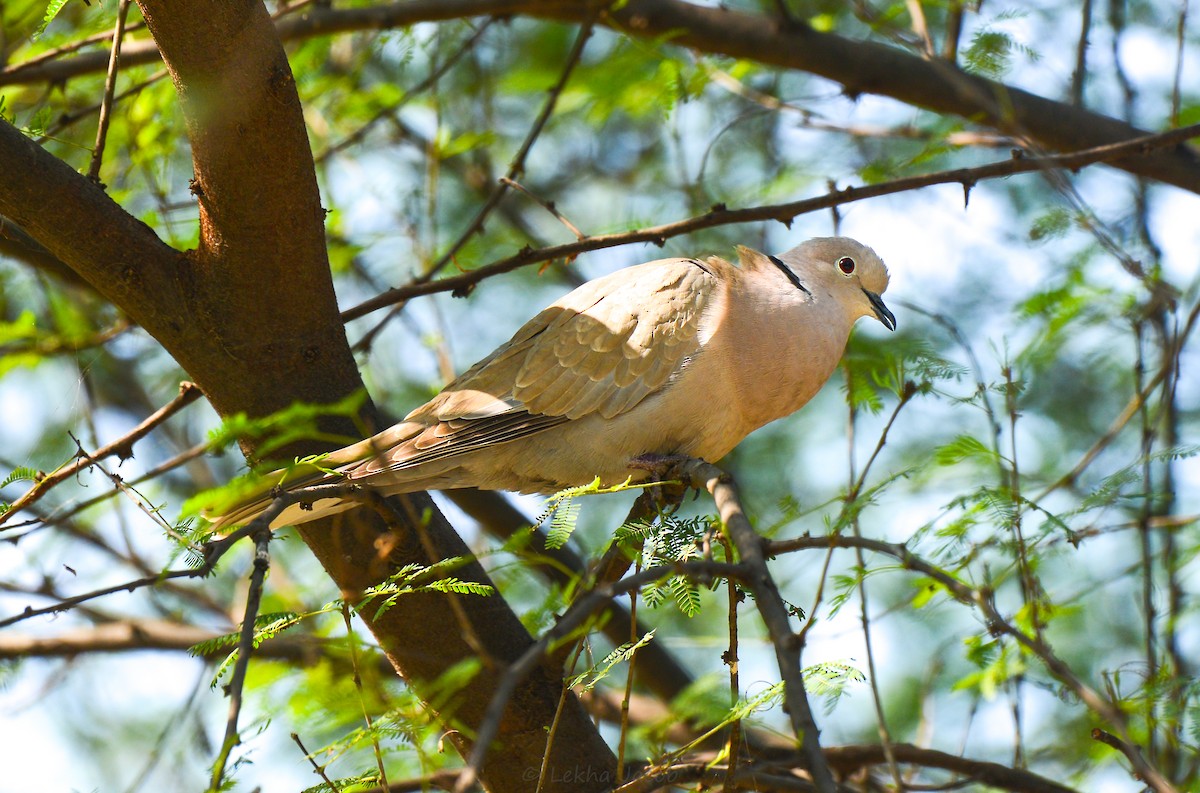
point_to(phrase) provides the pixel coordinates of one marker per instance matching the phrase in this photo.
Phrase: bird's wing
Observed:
(601, 349)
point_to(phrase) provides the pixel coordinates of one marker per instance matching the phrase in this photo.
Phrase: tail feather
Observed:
(251, 503)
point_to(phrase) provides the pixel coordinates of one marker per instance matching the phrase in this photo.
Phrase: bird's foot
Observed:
(669, 493)
(660, 465)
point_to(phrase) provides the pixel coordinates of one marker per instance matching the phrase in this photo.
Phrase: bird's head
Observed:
(849, 271)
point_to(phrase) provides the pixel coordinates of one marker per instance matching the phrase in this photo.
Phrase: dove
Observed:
(674, 357)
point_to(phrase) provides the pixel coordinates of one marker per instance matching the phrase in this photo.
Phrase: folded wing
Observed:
(601, 349)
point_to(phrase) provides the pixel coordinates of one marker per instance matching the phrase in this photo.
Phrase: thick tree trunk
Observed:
(251, 316)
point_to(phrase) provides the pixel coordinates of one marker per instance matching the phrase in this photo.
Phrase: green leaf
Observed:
(21, 474)
(964, 447)
(364, 781)
(625, 652)
(687, 595)
(52, 10)
(831, 680)
(563, 522)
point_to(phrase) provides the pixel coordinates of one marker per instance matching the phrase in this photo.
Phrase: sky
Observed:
(929, 241)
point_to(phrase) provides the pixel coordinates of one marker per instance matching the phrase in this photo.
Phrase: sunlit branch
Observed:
(785, 213)
(771, 606)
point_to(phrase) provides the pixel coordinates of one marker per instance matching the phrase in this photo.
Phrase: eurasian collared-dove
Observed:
(671, 357)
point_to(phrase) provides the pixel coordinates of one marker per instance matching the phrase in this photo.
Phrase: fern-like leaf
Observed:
(52, 10)
(21, 474)
(625, 652)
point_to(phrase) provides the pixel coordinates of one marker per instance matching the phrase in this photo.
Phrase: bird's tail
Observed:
(254, 494)
(237, 505)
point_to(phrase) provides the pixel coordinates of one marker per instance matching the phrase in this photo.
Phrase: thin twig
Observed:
(720, 215)
(633, 641)
(59, 345)
(63, 513)
(409, 95)
(110, 85)
(1177, 79)
(319, 770)
(237, 681)
(577, 615)
(122, 447)
(983, 600)
(362, 700)
(546, 205)
(775, 613)
(68, 119)
(544, 771)
(733, 744)
(1127, 748)
(140, 501)
(982, 392)
(855, 486)
(66, 49)
(1126, 415)
(387, 510)
(213, 551)
(1145, 533)
(1032, 594)
(1079, 76)
(954, 26)
(517, 166)
(920, 26)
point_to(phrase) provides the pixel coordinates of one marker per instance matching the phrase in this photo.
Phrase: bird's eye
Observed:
(846, 265)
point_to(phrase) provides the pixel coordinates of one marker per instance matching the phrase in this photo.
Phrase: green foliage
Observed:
(966, 447)
(266, 626)
(1054, 223)
(832, 680)
(997, 664)
(1022, 294)
(908, 367)
(588, 679)
(21, 474)
(368, 780)
(414, 578)
(992, 49)
(665, 543)
(293, 423)
(563, 511)
(52, 9)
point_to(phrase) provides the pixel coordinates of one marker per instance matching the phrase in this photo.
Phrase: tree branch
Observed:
(77, 223)
(135, 635)
(859, 66)
(783, 213)
(121, 447)
(982, 599)
(775, 614)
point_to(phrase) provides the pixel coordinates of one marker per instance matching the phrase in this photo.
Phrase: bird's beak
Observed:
(881, 311)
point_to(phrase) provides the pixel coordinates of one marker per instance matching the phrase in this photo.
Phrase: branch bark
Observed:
(861, 67)
(251, 315)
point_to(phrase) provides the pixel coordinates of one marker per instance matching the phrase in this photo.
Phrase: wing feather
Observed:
(601, 349)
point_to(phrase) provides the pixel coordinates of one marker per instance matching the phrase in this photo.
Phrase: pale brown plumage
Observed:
(676, 356)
